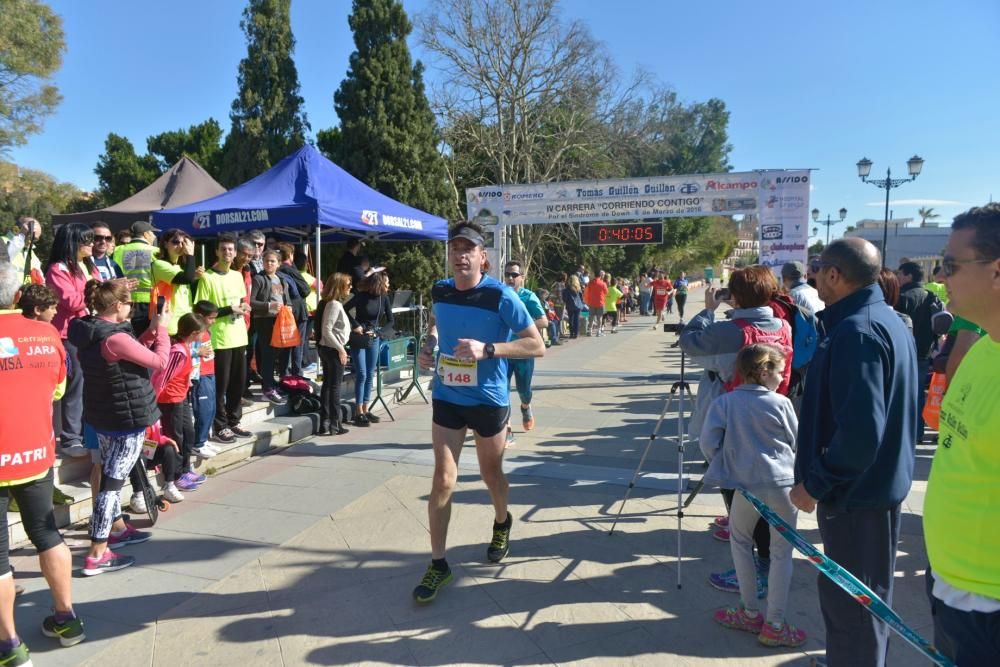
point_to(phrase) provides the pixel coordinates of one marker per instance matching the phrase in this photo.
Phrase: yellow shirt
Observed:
(962, 507)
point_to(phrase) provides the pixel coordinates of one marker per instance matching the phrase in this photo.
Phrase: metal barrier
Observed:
(395, 355)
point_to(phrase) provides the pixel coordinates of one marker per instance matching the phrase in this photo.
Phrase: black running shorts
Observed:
(485, 420)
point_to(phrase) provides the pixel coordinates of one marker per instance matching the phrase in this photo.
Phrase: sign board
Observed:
(623, 233)
(779, 198)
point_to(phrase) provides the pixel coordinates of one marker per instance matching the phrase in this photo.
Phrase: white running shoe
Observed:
(138, 503)
(206, 451)
(172, 493)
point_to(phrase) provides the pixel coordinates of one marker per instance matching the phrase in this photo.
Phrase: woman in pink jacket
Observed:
(70, 267)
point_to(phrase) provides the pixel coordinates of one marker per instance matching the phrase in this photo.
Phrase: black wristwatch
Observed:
(490, 350)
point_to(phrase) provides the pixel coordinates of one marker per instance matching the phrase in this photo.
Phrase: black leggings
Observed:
(761, 532)
(34, 499)
(333, 377)
(681, 299)
(177, 420)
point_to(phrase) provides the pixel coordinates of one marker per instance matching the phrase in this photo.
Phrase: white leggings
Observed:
(742, 519)
(119, 452)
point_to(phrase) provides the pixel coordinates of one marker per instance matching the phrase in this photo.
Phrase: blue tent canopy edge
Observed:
(302, 192)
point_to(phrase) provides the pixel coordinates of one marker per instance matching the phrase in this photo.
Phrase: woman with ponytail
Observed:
(119, 402)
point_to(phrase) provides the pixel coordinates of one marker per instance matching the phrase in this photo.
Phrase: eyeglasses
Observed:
(950, 266)
(513, 275)
(126, 303)
(259, 244)
(106, 239)
(89, 241)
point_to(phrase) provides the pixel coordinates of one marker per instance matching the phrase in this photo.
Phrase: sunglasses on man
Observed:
(513, 275)
(106, 239)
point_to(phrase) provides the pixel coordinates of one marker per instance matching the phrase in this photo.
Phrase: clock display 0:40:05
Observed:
(618, 234)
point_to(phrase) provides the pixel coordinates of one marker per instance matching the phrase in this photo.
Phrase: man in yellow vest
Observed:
(18, 243)
(961, 512)
(136, 259)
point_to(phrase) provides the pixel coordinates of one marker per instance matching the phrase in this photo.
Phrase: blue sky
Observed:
(808, 84)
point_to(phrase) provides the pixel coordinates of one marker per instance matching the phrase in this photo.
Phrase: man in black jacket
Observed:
(921, 305)
(855, 449)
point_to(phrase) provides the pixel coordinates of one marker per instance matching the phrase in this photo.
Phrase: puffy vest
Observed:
(782, 338)
(117, 397)
(136, 260)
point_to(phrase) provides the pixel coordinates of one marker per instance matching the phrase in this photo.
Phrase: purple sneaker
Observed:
(186, 485)
(193, 477)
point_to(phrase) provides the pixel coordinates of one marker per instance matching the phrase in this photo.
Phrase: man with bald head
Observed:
(855, 449)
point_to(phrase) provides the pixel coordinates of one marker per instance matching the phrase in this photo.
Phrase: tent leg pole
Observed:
(319, 262)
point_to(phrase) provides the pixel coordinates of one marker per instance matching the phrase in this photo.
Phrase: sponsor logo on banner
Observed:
(479, 196)
(202, 220)
(731, 205)
(786, 202)
(689, 188)
(723, 185)
(369, 218)
(516, 196)
(772, 232)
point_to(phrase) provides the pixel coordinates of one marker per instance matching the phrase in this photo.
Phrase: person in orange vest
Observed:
(32, 375)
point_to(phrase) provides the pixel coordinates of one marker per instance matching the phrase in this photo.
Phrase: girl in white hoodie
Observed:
(748, 438)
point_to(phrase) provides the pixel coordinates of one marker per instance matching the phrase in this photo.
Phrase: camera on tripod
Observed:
(676, 327)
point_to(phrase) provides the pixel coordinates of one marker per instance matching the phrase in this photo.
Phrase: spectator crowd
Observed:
(813, 399)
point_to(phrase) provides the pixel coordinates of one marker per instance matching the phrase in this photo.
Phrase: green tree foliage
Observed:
(121, 172)
(388, 136)
(202, 143)
(37, 194)
(31, 48)
(926, 214)
(268, 122)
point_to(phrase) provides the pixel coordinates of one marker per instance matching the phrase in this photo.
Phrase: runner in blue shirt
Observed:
(474, 315)
(523, 370)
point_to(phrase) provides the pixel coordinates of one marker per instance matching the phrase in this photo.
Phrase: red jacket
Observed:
(171, 384)
(32, 367)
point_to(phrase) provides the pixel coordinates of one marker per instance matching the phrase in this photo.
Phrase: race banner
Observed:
(865, 596)
(783, 215)
(778, 198)
(617, 199)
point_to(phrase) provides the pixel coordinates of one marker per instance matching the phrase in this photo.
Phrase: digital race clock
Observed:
(629, 233)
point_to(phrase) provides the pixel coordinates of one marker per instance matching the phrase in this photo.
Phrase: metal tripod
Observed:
(678, 392)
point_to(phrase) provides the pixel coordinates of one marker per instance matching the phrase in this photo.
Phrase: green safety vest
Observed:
(136, 260)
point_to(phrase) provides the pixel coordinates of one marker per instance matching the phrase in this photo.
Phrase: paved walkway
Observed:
(308, 556)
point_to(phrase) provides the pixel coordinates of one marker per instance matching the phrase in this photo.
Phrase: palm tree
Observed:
(926, 214)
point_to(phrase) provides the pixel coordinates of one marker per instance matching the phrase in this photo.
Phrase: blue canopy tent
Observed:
(302, 193)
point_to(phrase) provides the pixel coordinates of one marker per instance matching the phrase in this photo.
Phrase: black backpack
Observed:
(304, 404)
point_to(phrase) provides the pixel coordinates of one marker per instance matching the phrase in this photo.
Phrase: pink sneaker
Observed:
(736, 618)
(722, 534)
(129, 536)
(721, 522)
(109, 562)
(785, 635)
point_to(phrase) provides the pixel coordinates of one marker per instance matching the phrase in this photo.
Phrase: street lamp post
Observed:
(828, 222)
(913, 166)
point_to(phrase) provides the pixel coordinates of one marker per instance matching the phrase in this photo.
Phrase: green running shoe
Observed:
(69, 633)
(16, 656)
(434, 579)
(500, 545)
